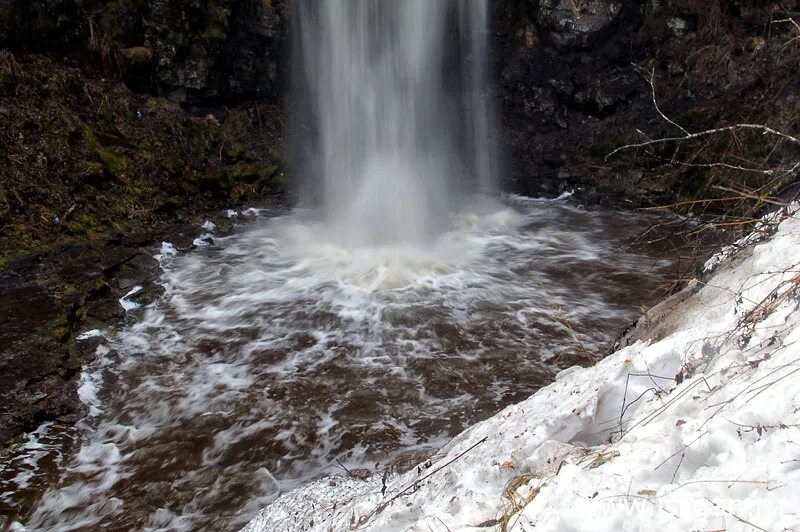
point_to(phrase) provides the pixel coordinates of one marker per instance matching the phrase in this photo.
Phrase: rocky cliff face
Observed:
(199, 52)
(574, 83)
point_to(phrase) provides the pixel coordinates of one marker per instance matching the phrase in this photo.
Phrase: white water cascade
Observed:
(394, 100)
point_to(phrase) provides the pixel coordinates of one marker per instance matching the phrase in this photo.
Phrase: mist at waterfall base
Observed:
(400, 305)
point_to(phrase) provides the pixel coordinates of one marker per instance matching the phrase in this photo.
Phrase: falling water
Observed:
(398, 139)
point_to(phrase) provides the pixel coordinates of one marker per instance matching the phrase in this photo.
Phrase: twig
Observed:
(735, 516)
(416, 482)
(651, 81)
(345, 468)
(681, 450)
(677, 467)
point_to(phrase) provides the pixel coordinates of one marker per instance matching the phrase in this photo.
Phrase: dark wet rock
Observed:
(206, 240)
(148, 294)
(195, 52)
(136, 271)
(225, 49)
(572, 23)
(88, 346)
(37, 368)
(46, 301)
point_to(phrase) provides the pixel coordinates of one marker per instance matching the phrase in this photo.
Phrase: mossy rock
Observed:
(85, 225)
(114, 164)
(278, 155)
(217, 27)
(77, 229)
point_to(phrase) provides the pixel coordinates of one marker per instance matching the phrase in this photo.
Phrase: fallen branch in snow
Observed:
(656, 389)
(773, 299)
(735, 516)
(413, 486)
(760, 429)
(730, 483)
(650, 417)
(681, 450)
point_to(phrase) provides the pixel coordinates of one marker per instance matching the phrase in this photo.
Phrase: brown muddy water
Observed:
(277, 355)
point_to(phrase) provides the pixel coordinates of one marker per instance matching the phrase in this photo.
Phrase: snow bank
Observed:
(695, 426)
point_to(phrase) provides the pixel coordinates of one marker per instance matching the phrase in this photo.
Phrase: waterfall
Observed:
(394, 117)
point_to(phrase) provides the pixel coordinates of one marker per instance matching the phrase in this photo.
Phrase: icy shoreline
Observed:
(695, 425)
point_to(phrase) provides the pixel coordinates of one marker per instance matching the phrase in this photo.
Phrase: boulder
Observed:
(576, 23)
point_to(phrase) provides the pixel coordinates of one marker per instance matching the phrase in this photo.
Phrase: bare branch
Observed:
(652, 81)
(765, 129)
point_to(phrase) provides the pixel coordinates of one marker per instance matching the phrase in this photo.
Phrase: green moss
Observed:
(277, 155)
(5, 212)
(217, 22)
(235, 152)
(242, 171)
(114, 164)
(77, 229)
(7, 80)
(19, 439)
(92, 169)
(214, 33)
(8, 68)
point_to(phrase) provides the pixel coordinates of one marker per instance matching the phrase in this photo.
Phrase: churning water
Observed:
(360, 334)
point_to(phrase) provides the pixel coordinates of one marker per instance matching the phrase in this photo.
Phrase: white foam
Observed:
(167, 251)
(94, 333)
(130, 305)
